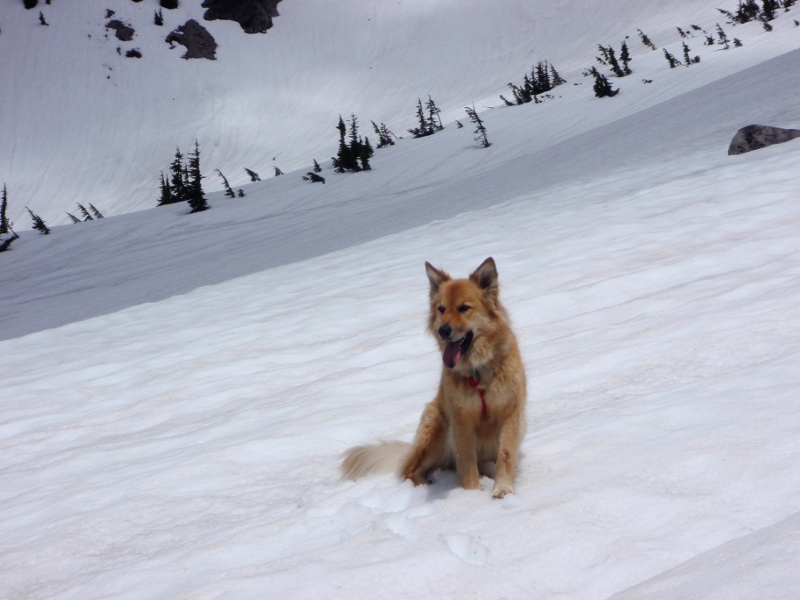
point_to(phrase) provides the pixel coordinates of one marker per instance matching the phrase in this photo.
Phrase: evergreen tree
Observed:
(673, 62)
(424, 127)
(4, 224)
(158, 19)
(555, 78)
(602, 87)
(177, 181)
(646, 40)
(687, 59)
(278, 172)
(434, 115)
(317, 168)
(194, 191)
(38, 222)
(240, 193)
(384, 135)
(480, 129)
(228, 191)
(723, 39)
(41, 19)
(253, 175)
(365, 154)
(343, 159)
(97, 214)
(625, 57)
(86, 215)
(166, 193)
(73, 218)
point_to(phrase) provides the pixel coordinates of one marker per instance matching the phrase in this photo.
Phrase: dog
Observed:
(478, 414)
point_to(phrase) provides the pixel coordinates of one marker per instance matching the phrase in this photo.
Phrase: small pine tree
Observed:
(158, 18)
(240, 193)
(73, 218)
(480, 129)
(434, 115)
(41, 19)
(384, 135)
(194, 192)
(687, 59)
(4, 223)
(673, 62)
(555, 78)
(317, 168)
(228, 190)
(97, 214)
(253, 175)
(86, 215)
(723, 38)
(38, 223)
(177, 181)
(602, 87)
(166, 192)
(424, 127)
(646, 40)
(278, 172)
(737, 43)
(625, 57)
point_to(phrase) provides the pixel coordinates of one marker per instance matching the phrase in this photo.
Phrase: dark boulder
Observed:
(124, 32)
(754, 137)
(199, 43)
(255, 16)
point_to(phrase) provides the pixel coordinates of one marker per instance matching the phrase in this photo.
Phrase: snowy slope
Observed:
(108, 125)
(175, 390)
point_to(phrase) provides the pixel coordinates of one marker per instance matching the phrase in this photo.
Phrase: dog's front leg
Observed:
(466, 447)
(508, 443)
(428, 450)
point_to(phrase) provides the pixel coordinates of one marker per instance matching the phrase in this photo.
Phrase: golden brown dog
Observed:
(478, 414)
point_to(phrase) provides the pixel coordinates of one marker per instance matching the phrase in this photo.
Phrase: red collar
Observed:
(474, 381)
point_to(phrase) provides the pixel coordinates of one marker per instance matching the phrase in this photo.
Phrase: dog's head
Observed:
(463, 312)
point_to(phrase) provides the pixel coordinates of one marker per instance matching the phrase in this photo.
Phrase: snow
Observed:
(176, 390)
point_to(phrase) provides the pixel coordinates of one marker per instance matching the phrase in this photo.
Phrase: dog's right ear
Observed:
(436, 278)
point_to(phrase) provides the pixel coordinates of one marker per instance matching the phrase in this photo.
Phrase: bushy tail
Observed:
(374, 459)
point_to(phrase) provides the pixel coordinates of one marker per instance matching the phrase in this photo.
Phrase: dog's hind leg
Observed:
(429, 449)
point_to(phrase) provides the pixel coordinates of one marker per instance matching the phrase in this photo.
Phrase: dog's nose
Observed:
(445, 331)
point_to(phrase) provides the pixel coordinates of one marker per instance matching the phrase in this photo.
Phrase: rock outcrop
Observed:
(198, 41)
(754, 137)
(255, 16)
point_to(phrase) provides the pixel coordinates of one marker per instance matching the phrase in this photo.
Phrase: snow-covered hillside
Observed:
(82, 123)
(176, 390)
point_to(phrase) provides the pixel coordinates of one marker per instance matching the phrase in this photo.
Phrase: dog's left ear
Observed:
(486, 277)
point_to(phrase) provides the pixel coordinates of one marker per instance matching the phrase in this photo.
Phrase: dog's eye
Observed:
(463, 308)
(441, 309)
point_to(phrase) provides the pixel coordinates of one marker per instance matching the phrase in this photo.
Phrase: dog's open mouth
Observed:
(453, 351)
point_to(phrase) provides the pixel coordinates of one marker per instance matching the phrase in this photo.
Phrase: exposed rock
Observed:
(255, 16)
(754, 137)
(199, 43)
(124, 32)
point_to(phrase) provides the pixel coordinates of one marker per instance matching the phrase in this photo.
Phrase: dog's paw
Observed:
(500, 491)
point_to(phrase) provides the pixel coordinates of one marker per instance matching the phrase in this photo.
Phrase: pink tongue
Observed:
(452, 354)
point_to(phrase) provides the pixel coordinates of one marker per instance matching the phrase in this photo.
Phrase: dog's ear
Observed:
(486, 277)
(436, 277)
